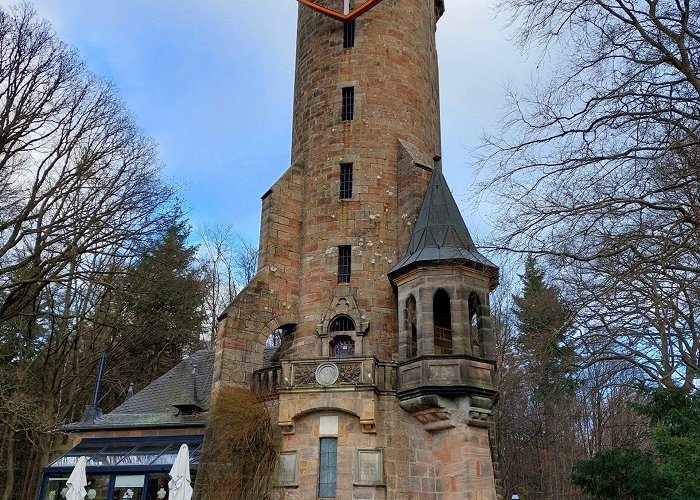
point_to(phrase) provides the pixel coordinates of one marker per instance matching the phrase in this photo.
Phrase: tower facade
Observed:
(367, 326)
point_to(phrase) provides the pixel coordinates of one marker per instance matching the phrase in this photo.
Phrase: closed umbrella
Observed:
(179, 485)
(77, 481)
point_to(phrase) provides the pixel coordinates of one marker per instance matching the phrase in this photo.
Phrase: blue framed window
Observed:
(328, 467)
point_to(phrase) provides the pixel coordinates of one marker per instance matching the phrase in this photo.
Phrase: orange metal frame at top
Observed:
(356, 12)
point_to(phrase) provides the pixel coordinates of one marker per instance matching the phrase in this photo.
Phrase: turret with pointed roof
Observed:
(440, 234)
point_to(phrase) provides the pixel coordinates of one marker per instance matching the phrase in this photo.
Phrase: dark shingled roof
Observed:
(153, 405)
(440, 233)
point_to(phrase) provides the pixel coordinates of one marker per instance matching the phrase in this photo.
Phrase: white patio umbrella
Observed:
(179, 485)
(77, 481)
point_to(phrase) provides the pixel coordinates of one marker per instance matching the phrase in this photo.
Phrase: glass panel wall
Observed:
(98, 487)
(129, 487)
(121, 469)
(54, 487)
(158, 486)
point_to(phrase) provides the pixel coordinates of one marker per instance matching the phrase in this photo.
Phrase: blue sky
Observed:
(211, 81)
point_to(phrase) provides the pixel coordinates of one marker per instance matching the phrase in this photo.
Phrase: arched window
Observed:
(342, 345)
(342, 324)
(411, 328)
(477, 335)
(277, 344)
(442, 323)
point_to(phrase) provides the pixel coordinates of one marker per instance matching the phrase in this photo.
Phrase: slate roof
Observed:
(153, 405)
(440, 233)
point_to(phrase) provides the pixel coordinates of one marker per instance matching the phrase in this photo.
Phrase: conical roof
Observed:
(440, 233)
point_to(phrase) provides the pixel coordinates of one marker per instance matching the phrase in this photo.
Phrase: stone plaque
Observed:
(370, 467)
(445, 371)
(287, 469)
(412, 375)
(328, 425)
(327, 374)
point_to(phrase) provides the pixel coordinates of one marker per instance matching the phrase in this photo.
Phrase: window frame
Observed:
(344, 264)
(346, 178)
(443, 325)
(328, 465)
(349, 29)
(347, 112)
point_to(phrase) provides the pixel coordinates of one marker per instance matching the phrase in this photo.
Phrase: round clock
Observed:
(347, 14)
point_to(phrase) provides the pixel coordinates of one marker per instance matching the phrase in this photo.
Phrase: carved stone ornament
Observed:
(350, 373)
(327, 374)
(344, 303)
(479, 417)
(304, 375)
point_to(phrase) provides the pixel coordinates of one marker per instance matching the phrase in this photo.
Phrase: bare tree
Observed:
(598, 168)
(229, 262)
(80, 201)
(78, 178)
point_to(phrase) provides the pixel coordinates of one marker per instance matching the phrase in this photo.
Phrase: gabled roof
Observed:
(440, 233)
(153, 405)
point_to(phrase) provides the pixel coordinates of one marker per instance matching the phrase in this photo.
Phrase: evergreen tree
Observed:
(547, 405)
(161, 310)
(542, 322)
(668, 471)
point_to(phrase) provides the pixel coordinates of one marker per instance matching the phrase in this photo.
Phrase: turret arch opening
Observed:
(411, 329)
(442, 322)
(475, 325)
(277, 344)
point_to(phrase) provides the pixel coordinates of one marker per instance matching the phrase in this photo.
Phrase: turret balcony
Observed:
(446, 375)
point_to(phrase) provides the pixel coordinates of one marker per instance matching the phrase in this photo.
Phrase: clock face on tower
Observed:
(347, 14)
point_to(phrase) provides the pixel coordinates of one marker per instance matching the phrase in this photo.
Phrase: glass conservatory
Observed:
(121, 468)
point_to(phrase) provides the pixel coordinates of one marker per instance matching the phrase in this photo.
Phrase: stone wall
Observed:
(437, 448)
(449, 464)
(393, 69)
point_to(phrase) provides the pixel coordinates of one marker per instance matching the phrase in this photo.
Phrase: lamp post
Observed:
(515, 497)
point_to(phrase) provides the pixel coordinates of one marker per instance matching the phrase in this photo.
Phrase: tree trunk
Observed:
(8, 494)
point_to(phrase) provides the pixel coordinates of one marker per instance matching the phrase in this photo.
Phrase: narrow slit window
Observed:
(412, 330)
(348, 111)
(328, 467)
(349, 34)
(345, 181)
(344, 262)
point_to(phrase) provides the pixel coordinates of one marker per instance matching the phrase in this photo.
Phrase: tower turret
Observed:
(447, 348)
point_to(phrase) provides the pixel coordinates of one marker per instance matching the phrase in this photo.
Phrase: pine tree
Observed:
(161, 309)
(668, 470)
(548, 403)
(543, 319)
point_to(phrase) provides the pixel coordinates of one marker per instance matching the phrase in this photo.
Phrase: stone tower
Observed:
(367, 327)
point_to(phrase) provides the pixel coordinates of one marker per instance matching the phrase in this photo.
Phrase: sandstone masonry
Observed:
(356, 368)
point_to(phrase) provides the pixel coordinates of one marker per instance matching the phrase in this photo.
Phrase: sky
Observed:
(211, 82)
